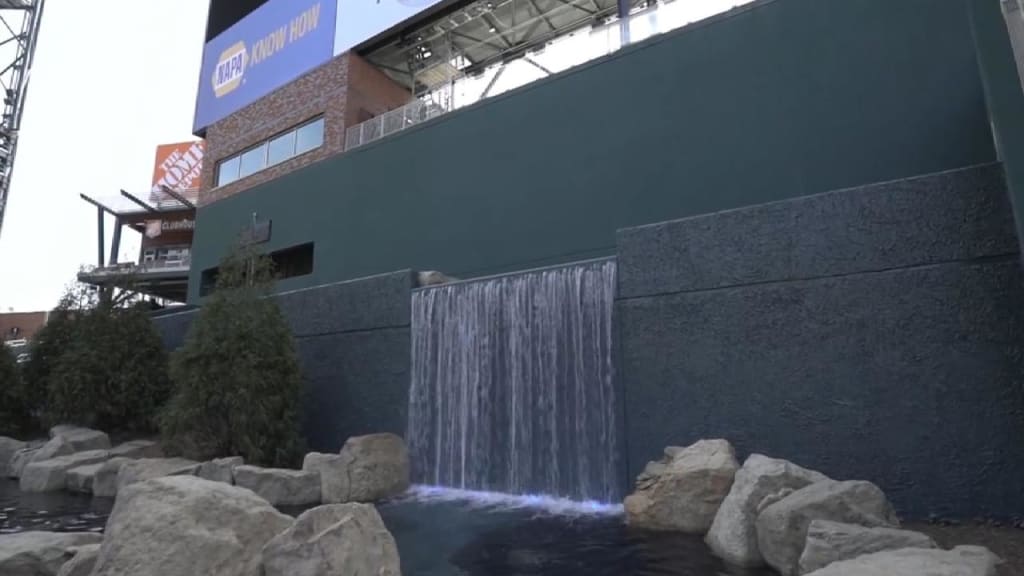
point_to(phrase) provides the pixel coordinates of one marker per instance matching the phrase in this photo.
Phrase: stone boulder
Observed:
(782, 526)
(221, 469)
(50, 475)
(144, 469)
(82, 562)
(333, 472)
(54, 448)
(8, 447)
(829, 542)
(80, 479)
(39, 553)
(104, 482)
(683, 490)
(733, 536)
(333, 540)
(81, 439)
(280, 486)
(377, 468)
(186, 526)
(960, 561)
(137, 449)
(21, 459)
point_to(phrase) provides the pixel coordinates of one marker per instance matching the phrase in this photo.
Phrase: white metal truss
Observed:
(19, 30)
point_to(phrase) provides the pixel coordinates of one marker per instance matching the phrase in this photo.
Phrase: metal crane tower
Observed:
(19, 30)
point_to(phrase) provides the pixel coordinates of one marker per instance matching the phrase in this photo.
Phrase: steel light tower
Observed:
(19, 30)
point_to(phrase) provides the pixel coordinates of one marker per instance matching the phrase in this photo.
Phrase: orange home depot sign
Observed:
(178, 166)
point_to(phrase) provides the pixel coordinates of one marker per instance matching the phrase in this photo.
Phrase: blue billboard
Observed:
(276, 43)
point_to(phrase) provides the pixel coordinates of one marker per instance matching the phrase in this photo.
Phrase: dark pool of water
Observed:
(454, 537)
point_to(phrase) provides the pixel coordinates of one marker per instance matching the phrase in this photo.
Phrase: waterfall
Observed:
(512, 384)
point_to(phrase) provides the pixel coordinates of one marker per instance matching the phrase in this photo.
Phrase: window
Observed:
(253, 161)
(298, 140)
(309, 136)
(228, 171)
(281, 148)
(294, 261)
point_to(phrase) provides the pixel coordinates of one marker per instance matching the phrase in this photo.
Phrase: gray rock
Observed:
(137, 449)
(960, 561)
(81, 439)
(104, 482)
(378, 467)
(280, 486)
(684, 490)
(333, 540)
(221, 469)
(50, 475)
(8, 447)
(20, 459)
(53, 448)
(733, 536)
(82, 562)
(782, 527)
(80, 479)
(39, 553)
(333, 472)
(186, 526)
(829, 542)
(143, 469)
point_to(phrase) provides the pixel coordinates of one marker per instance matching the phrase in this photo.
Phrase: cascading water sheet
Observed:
(513, 387)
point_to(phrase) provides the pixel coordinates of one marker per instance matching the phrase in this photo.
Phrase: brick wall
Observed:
(28, 324)
(326, 90)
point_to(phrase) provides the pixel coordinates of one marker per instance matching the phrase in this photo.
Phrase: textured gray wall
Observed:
(871, 333)
(353, 344)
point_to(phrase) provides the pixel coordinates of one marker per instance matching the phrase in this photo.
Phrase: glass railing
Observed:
(560, 54)
(133, 268)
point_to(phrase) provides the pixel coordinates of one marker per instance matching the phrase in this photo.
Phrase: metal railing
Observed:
(396, 120)
(178, 264)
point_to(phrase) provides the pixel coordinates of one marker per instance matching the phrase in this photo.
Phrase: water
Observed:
(513, 387)
(443, 532)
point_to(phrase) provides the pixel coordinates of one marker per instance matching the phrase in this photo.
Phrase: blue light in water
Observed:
(479, 499)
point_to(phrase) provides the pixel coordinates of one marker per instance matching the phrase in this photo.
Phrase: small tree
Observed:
(237, 378)
(14, 410)
(99, 362)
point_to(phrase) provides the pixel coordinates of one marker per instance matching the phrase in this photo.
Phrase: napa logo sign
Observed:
(272, 46)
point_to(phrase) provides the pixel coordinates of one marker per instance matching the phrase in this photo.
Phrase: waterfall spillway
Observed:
(512, 386)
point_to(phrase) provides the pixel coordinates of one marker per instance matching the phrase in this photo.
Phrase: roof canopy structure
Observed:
(469, 37)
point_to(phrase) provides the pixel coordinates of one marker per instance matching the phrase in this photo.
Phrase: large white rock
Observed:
(187, 526)
(829, 542)
(137, 449)
(104, 482)
(39, 553)
(333, 540)
(54, 448)
(683, 490)
(378, 467)
(220, 469)
(333, 472)
(80, 479)
(960, 561)
(280, 486)
(8, 447)
(144, 469)
(21, 459)
(782, 526)
(50, 475)
(81, 439)
(83, 560)
(733, 536)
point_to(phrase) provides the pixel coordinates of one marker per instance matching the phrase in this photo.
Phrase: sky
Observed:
(110, 82)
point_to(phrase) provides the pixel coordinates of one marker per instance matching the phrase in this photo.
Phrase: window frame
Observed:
(293, 132)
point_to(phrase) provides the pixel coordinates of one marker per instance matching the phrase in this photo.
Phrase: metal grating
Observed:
(19, 32)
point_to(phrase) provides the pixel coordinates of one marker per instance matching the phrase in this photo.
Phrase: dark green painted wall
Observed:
(782, 99)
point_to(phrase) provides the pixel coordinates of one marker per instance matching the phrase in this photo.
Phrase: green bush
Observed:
(15, 416)
(237, 379)
(99, 362)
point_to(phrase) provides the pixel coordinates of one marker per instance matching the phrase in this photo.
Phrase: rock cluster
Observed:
(797, 521)
(177, 517)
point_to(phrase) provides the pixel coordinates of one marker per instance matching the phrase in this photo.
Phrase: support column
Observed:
(100, 236)
(115, 244)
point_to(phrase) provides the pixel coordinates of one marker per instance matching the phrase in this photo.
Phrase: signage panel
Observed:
(276, 43)
(179, 167)
(360, 20)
